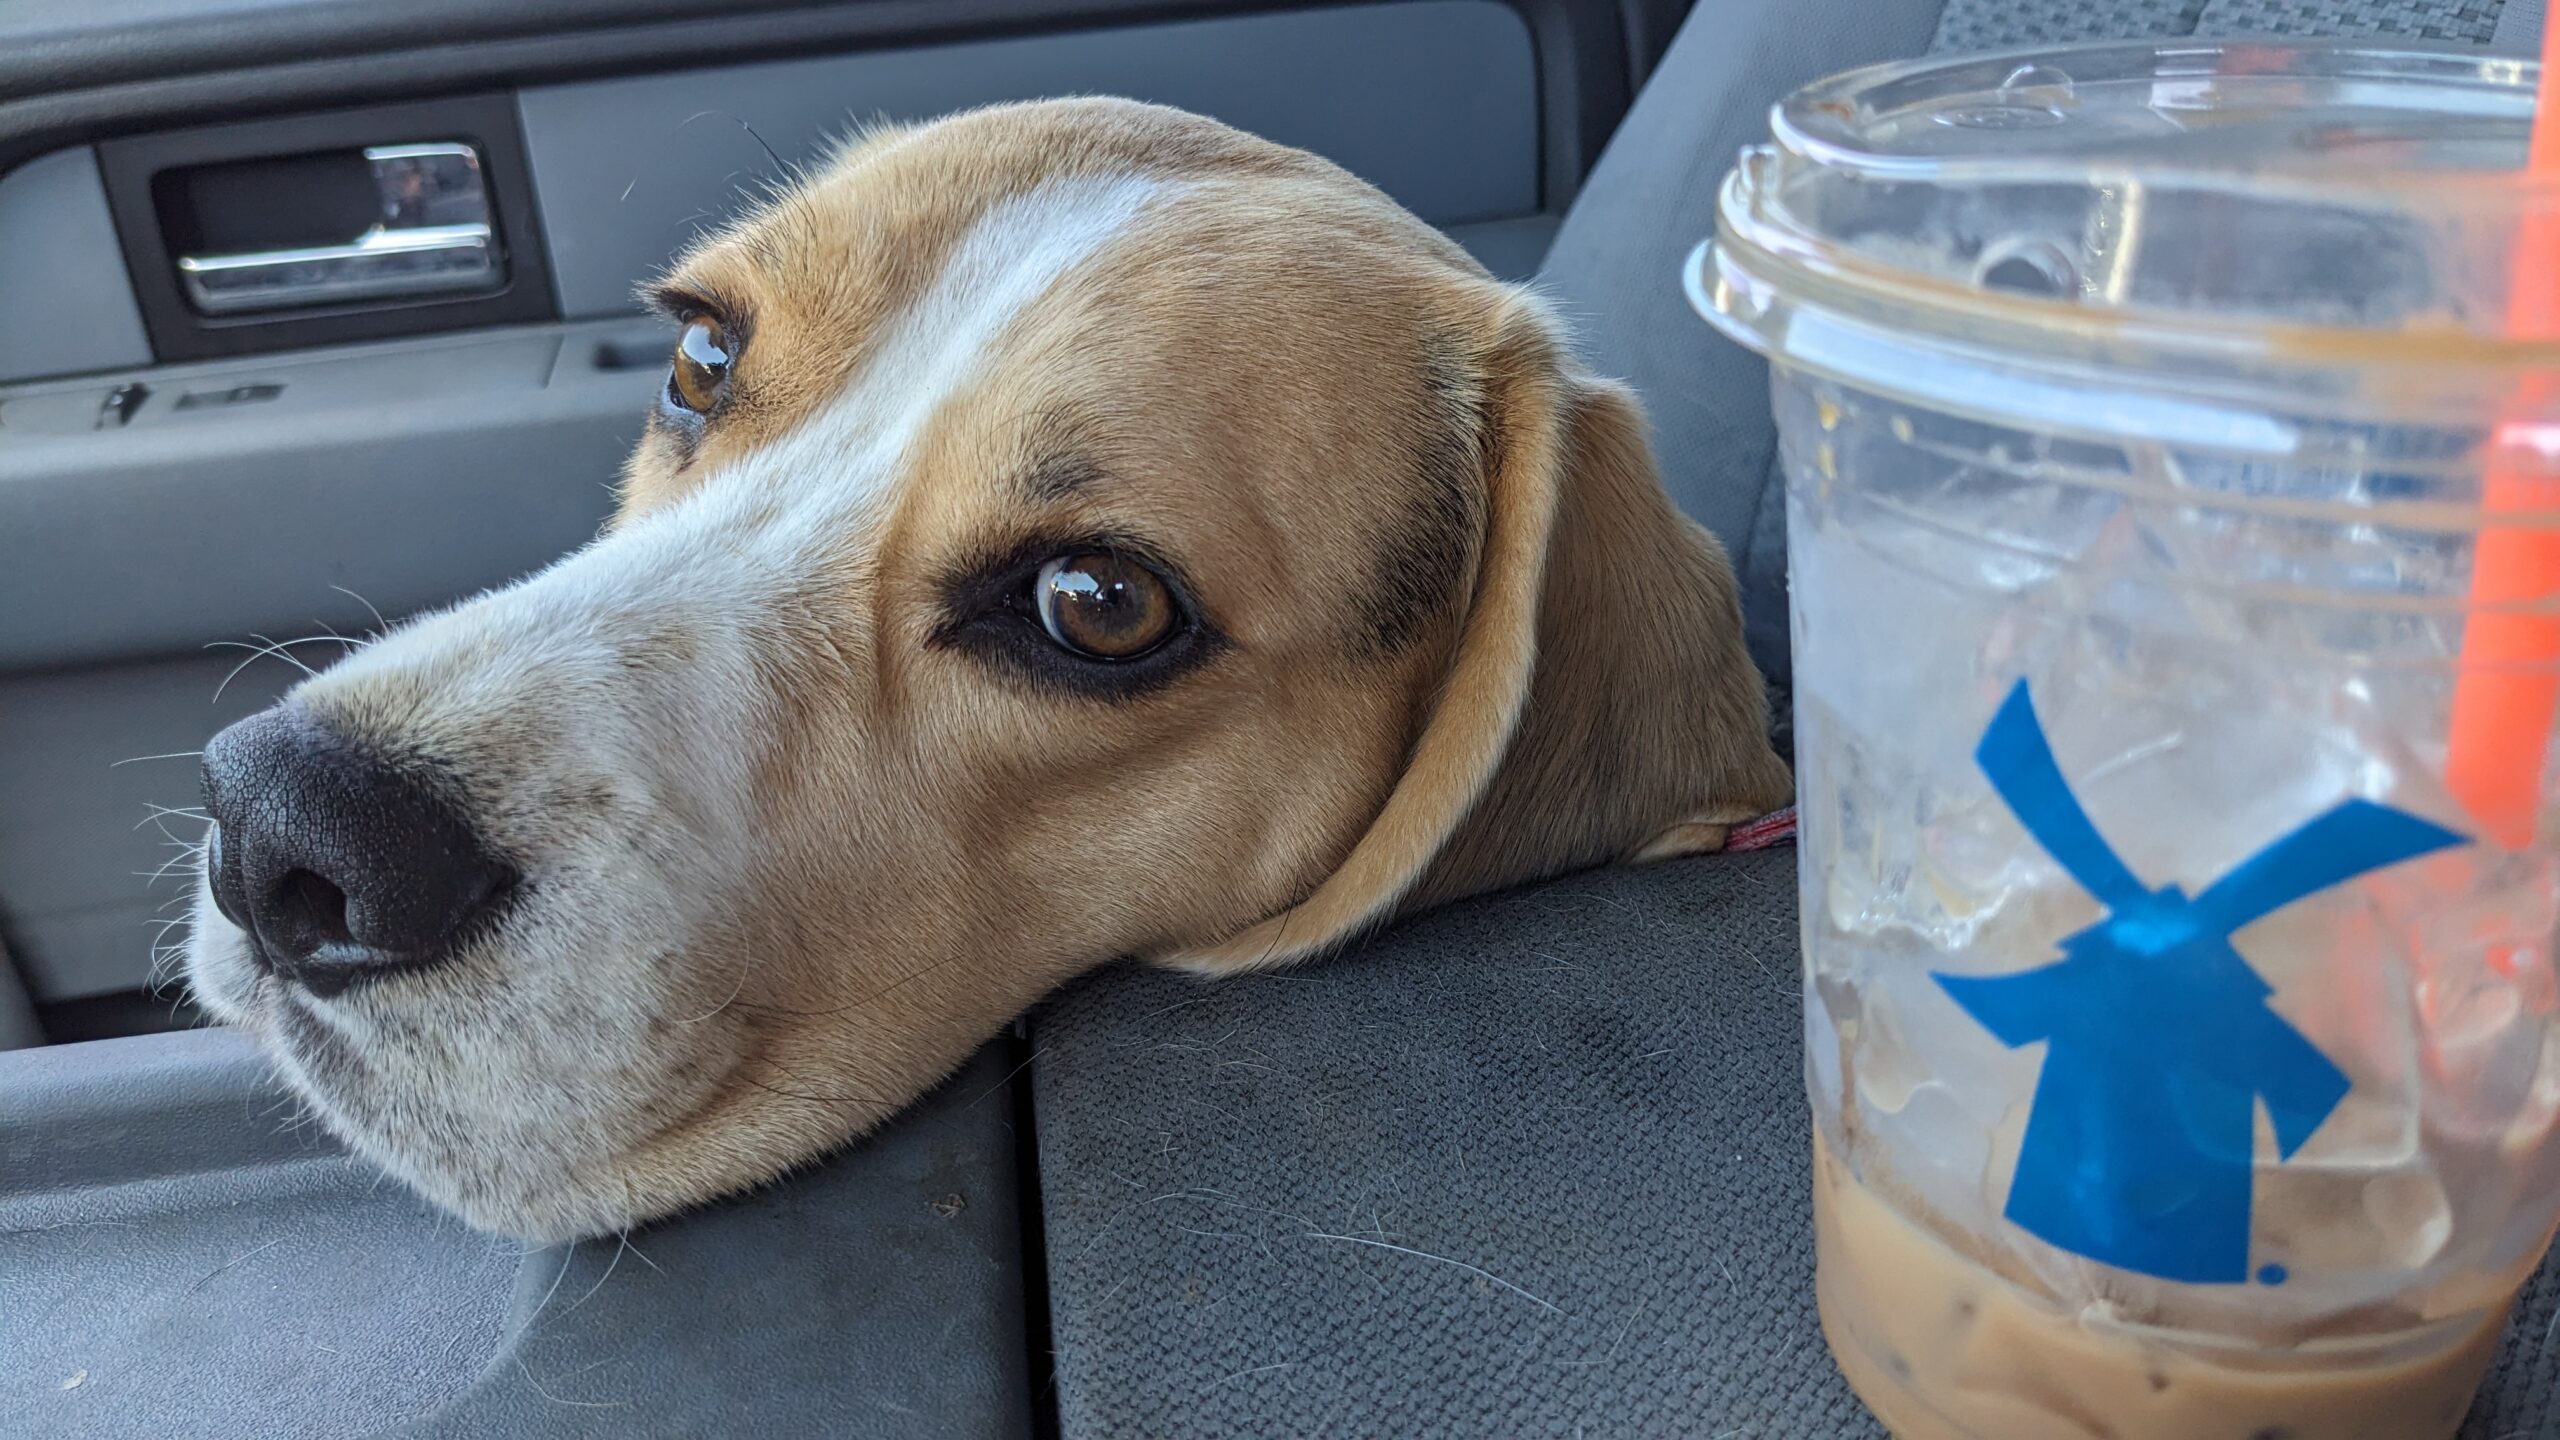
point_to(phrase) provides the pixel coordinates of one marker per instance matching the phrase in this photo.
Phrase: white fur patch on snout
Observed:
(846, 457)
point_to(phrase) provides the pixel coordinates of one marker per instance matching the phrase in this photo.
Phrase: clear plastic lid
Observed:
(2325, 226)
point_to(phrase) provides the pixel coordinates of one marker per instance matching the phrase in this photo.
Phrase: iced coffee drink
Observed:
(2183, 1047)
(1942, 1346)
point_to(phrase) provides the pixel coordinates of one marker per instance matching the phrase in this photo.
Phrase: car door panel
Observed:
(1433, 101)
(72, 74)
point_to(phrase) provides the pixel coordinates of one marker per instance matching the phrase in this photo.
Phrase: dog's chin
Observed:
(480, 1107)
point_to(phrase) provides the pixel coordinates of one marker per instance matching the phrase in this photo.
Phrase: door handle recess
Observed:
(433, 237)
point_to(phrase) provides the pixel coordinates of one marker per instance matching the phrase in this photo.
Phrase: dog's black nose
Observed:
(341, 866)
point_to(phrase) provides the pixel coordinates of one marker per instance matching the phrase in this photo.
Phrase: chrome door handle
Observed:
(432, 237)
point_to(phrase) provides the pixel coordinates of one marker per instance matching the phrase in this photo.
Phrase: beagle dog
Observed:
(1067, 531)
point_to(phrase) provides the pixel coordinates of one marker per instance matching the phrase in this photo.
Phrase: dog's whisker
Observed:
(534, 1316)
(283, 650)
(636, 1252)
(851, 1005)
(183, 812)
(164, 950)
(378, 622)
(348, 643)
(258, 646)
(545, 1392)
(172, 755)
(266, 648)
(741, 122)
(187, 856)
(609, 1267)
(1009, 1074)
(884, 1106)
(736, 989)
(160, 823)
(234, 675)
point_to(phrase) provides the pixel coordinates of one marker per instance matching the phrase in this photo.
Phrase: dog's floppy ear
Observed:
(1599, 704)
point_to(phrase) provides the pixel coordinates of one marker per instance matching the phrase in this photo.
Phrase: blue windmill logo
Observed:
(2159, 1039)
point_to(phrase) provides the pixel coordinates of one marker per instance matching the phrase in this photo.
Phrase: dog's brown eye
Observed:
(701, 375)
(1102, 606)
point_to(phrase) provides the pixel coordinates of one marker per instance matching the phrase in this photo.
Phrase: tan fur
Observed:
(1601, 702)
(791, 857)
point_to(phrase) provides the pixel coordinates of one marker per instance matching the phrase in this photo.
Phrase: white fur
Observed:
(1013, 255)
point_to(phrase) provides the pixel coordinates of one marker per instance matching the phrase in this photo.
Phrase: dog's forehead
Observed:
(959, 340)
(874, 227)
(900, 213)
(887, 280)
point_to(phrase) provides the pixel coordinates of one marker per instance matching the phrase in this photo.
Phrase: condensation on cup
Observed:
(2182, 1052)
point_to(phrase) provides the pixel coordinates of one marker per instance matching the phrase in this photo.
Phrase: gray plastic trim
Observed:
(63, 285)
(185, 1255)
(1433, 101)
(410, 471)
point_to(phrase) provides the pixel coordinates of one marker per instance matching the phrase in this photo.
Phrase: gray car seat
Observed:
(1536, 1165)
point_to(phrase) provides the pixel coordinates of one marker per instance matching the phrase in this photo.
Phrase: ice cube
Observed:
(2408, 1207)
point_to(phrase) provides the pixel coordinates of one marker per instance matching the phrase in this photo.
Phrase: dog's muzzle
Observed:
(341, 866)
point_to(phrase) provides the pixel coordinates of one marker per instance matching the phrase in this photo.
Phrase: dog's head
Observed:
(1067, 531)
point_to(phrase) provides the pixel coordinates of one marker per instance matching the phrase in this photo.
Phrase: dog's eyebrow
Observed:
(1059, 474)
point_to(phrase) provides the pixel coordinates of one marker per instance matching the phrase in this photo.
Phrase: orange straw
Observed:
(2509, 683)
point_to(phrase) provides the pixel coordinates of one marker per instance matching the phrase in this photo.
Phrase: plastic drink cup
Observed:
(2184, 1054)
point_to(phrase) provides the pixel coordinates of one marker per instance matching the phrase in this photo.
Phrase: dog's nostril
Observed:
(315, 908)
